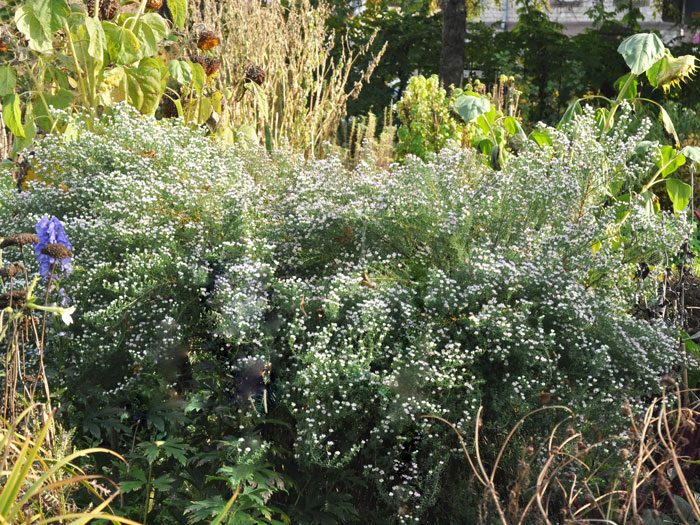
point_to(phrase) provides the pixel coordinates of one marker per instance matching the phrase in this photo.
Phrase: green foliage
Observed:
(426, 121)
(240, 309)
(77, 61)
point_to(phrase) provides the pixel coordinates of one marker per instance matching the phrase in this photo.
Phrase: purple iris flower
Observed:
(51, 231)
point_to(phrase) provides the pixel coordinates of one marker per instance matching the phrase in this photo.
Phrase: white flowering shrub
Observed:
(295, 306)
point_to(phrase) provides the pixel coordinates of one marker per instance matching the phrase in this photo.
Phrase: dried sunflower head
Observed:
(207, 40)
(211, 65)
(19, 239)
(57, 251)
(255, 74)
(674, 70)
(15, 298)
(9, 271)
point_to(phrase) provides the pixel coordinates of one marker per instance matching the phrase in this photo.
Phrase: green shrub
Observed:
(294, 320)
(426, 121)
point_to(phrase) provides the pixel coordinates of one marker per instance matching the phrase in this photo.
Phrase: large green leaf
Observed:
(692, 153)
(471, 107)
(38, 20)
(122, 44)
(150, 29)
(8, 80)
(178, 8)
(62, 99)
(181, 71)
(670, 159)
(679, 192)
(93, 32)
(141, 86)
(199, 77)
(631, 91)
(668, 125)
(641, 51)
(573, 110)
(12, 114)
(541, 138)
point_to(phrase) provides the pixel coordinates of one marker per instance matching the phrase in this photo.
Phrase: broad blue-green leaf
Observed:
(178, 8)
(181, 71)
(471, 107)
(679, 193)
(641, 51)
(671, 159)
(692, 153)
(122, 44)
(8, 80)
(541, 138)
(12, 114)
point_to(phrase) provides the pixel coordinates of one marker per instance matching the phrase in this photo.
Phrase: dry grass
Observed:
(651, 473)
(305, 91)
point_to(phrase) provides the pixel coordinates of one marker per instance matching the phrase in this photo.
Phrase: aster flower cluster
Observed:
(354, 302)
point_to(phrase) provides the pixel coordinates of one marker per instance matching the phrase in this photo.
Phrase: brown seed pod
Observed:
(91, 8)
(19, 239)
(207, 40)
(255, 74)
(154, 4)
(211, 65)
(9, 271)
(57, 251)
(15, 298)
(108, 9)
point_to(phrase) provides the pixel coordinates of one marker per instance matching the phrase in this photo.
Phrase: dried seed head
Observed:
(626, 410)
(675, 70)
(570, 430)
(624, 453)
(211, 65)
(530, 450)
(57, 251)
(667, 381)
(255, 74)
(207, 40)
(154, 4)
(9, 271)
(109, 9)
(19, 239)
(15, 298)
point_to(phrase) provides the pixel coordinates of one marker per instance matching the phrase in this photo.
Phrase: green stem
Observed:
(81, 79)
(618, 101)
(139, 14)
(148, 493)
(659, 172)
